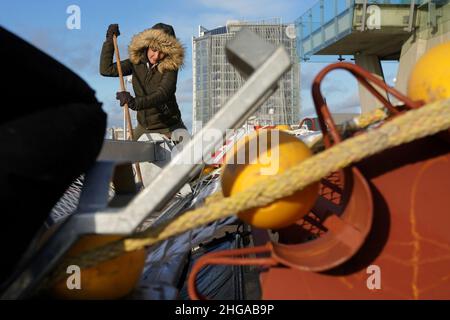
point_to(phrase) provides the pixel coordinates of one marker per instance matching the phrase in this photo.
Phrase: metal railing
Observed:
(330, 20)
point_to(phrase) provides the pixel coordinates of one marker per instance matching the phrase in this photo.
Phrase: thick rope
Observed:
(368, 118)
(410, 126)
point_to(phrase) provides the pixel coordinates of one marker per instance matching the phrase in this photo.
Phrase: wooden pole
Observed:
(126, 110)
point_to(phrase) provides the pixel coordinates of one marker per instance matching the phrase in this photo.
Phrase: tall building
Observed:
(215, 80)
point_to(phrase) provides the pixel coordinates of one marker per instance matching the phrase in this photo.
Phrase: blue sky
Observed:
(43, 23)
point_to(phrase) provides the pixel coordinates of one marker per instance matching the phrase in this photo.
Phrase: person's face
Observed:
(154, 56)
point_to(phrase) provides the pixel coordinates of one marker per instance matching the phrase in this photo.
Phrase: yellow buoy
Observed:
(283, 127)
(430, 81)
(112, 279)
(270, 158)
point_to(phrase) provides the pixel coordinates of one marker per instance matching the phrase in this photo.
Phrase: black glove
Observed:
(164, 109)
(113, 29)
(126, 98)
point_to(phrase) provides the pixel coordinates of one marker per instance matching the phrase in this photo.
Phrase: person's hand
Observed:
(164, 109)
(113, 29)
(126, 98)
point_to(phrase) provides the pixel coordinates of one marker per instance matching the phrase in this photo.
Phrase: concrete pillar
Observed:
(408, 59)
(372, 64)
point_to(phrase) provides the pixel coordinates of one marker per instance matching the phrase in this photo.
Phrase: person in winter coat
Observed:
(155, 56)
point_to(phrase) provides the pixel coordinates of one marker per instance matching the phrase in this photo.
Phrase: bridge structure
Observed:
(372, 31)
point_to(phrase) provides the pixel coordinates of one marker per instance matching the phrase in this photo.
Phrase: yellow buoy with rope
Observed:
(282, 152)
(111, 279)
(429, 81)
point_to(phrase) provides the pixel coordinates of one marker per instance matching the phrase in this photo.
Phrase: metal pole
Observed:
(364, 11)
(411, 16)
(125, 107)
(322, 21)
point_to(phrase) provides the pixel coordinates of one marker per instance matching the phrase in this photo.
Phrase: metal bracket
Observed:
(410, 27)
(121, 151)
(431, 16)
(364, 13)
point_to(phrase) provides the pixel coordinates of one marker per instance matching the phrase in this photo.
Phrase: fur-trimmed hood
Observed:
(160, 41)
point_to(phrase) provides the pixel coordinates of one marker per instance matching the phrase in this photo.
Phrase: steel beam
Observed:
(121, 151)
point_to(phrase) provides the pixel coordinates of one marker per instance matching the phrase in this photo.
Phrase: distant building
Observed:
(114, 133)
(215, 80)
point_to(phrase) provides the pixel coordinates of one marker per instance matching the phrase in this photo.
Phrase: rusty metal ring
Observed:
(369, 81)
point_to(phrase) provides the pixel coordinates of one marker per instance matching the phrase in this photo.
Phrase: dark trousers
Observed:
(51, 131)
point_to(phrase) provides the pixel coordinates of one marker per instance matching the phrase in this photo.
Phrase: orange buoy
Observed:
(112, 279)
(429, 81)
(276, 152)
(208, 169)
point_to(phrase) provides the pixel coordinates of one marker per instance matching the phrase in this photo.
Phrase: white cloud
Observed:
(340, 104)
(346, 104)
(308, 72)
(80, 56)
(184, 91)
(186, 114)
(211, 21)
(252, 8)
